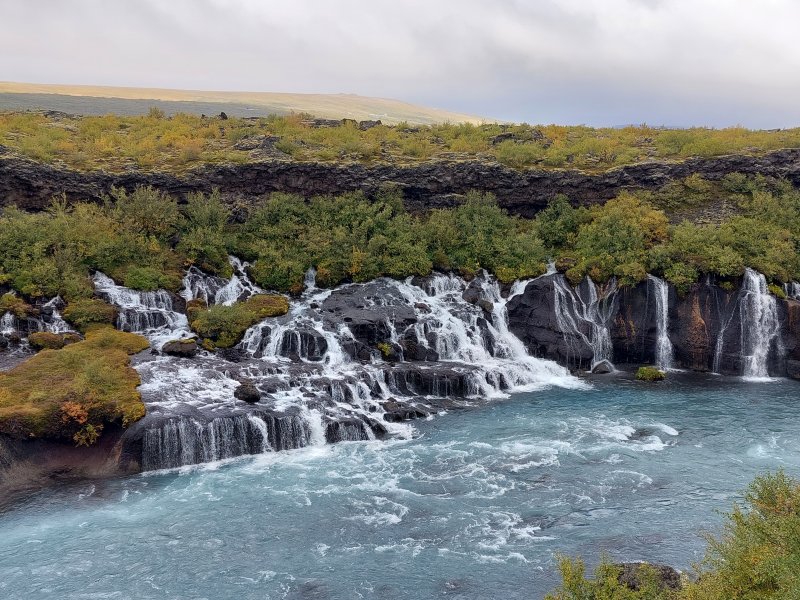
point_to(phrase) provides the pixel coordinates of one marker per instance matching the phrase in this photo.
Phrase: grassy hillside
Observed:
(328, 106)
(177, 143)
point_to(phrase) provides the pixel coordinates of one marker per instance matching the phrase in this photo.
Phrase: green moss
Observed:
(777, 291)
(650, 374)
(87, 313)
(223, 326)
(385, 349)
(74, 392)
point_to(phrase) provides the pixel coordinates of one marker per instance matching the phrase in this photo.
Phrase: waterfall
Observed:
(149, 313)
(185, 441)
(574, 314)
(792, 290)
(56, 323)
(323, 377)
(216, 290)
(663, 344)
(8, 324)
(310, 281)
(760, 325)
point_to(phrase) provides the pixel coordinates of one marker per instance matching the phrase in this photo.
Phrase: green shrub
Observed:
(758, 553)
(16, 306)
(73, 392)
(224, 326)
(756, 557)
(606, 584)
(650, 374)
(44, 340)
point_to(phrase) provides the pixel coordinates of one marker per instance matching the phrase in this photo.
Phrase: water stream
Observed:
(663, 345)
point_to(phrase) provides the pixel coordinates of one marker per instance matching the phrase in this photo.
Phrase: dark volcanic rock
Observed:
(31, 185)
(602, 368)
(532, 318)
(247, 392)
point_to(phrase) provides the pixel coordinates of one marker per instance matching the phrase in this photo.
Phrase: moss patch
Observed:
(224, 326)
(650, 374)
(44, 340)
(73, 392)
(84, 314)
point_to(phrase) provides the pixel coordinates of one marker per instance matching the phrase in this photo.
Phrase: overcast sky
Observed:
(598, 62)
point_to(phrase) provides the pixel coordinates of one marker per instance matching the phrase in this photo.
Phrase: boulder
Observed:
(247, 392)
(602, 368)
(186, 348)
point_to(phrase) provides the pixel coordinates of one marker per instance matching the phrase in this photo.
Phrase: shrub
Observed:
(84, 314)
(73, 392)
(44, 340)
(650, 374)
(15, 305)
(224, 326)
(607, 583)
(756, 556)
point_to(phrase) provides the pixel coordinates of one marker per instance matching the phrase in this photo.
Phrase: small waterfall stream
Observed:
(664, 352)
(216, 290)
(151, 314)
(760, 325)
(576, 315)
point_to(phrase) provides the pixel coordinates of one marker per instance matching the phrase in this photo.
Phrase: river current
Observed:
(476, 505)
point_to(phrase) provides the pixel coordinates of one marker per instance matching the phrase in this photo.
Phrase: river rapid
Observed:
(476, 504)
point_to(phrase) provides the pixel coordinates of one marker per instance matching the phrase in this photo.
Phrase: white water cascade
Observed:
(663, 344)
(792, 290)
(151, 314)
(216, 290)
(8, 324)
(760, 325)
(575, 315)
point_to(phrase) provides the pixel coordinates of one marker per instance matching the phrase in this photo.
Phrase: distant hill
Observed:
(93, 100)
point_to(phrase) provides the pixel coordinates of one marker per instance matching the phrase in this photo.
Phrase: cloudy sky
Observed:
(598, 62)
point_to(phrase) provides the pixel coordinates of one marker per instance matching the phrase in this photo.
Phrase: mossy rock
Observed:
(223, 326)
(89, 312)
(650, 374)
(44, 340)
(74, 392)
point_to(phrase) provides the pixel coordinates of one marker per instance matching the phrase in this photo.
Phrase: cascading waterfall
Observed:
(216, 290)
(574, 314)
(151, 314)
(187, 441)
(663, 343)
(49, 320)
(331, 384)
(760, 325)
(792, 290)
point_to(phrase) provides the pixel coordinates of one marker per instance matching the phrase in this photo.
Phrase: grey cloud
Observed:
(602, 62)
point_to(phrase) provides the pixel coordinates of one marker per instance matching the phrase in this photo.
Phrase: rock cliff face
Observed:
(709, 329)
(31, 185)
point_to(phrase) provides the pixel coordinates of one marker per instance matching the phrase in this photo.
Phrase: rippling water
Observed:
(476, 506)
